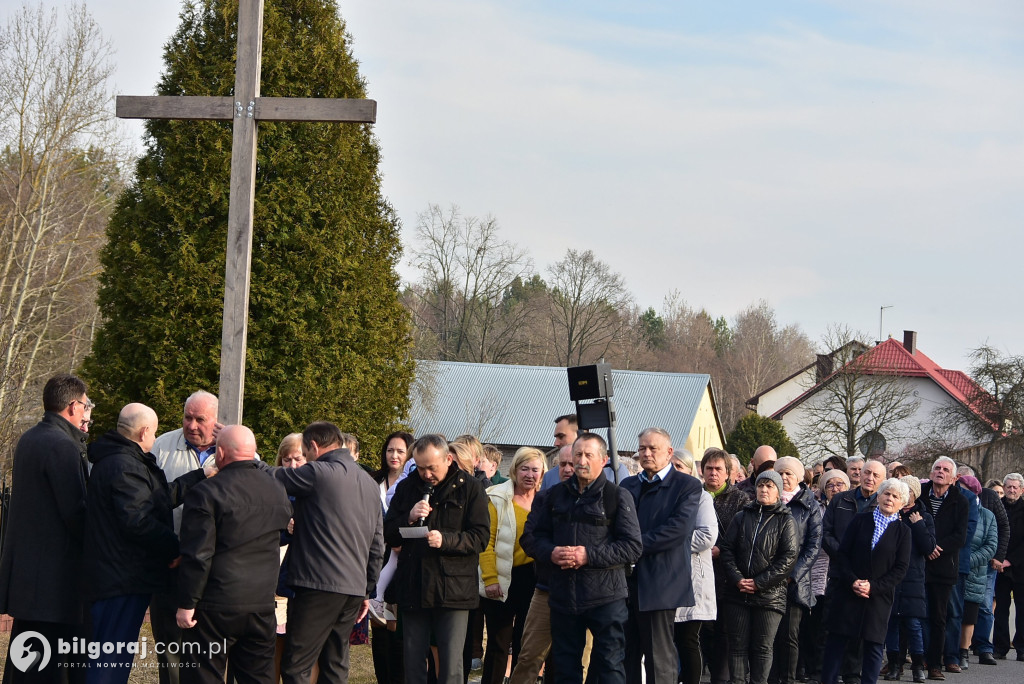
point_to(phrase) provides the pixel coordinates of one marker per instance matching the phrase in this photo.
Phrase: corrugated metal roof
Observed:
(516, 405)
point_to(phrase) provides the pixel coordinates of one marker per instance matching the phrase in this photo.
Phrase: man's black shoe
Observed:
(987, 659)
(1020, 656)
(1000, 655)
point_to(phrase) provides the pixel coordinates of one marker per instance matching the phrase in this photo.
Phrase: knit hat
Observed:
(790, 463)
(770, 475)
(835, 473)
(913, 484)
(971, 483)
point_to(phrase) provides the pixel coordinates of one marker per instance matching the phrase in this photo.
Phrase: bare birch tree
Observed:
(59, 175)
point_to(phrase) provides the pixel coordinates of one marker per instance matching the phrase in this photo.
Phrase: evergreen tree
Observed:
(752, 431)
(328, 337)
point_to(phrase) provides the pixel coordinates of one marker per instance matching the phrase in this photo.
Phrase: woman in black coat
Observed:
(872, 559)
(758, 553)
(910, 606)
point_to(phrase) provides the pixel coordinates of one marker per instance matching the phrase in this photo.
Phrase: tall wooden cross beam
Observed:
(244, 109)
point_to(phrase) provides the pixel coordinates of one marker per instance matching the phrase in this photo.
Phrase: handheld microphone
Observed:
(426, 497)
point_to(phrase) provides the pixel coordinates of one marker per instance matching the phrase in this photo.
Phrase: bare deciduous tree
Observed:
(59, 175)
(993, 417)
(462, 297)
(590, 306)
(861, 395)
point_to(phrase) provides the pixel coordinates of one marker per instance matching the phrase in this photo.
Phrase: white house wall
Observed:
(778, 397)
(917, 429)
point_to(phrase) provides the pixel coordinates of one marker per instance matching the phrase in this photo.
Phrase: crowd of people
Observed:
(576, 571)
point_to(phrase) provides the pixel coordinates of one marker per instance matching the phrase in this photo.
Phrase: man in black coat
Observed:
(587, 527)
(435, 585)
(41, 564)
(230, 539)
(950, 509)
(130, 544)
(1011, 577)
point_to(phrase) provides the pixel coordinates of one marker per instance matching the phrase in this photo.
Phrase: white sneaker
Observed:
(377, 612)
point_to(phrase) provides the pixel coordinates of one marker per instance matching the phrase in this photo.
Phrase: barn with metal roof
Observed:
(513, 406)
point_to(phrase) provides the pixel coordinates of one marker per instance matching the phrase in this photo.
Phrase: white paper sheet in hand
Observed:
(414, 532)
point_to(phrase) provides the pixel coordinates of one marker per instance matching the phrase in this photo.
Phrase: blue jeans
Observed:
(914, 629)
(982, 641)
(569, 633)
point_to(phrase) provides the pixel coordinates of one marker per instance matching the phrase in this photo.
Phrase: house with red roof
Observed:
(919, 389)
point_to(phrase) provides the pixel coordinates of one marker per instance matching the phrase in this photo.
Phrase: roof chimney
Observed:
(910, 340)
(823, 367)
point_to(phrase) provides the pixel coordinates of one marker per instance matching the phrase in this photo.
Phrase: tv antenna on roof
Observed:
(881, 312)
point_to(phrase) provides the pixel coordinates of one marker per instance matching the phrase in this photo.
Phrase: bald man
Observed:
(130, 544)
(764, 458)
(230, 539)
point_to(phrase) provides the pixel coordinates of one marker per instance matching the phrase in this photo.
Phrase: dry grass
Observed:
(146, 672)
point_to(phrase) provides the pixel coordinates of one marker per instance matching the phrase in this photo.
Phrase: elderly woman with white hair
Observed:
(872, 560)
(910, 605)
(807, 517)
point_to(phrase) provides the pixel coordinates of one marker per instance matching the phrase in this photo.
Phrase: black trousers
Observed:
(60, 668)
(163, 609)
(812, 638)
(246, 639)
(388, 660)
(505, 621)
(868, 667)
(687, 638)
(569, 635)
(714, 641)
(650, 634)
(319, 625)
(751, 635)
(938, 603)
(787, 645)
(1005, 587)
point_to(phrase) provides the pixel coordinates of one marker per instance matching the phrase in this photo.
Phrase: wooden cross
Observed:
(244, 109)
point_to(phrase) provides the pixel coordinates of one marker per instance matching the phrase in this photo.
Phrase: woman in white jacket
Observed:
(689, 619)
(507, 573)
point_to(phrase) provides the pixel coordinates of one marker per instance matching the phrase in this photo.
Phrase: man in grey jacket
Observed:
(334, 557)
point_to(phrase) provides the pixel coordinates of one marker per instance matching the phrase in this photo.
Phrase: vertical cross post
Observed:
(240, 213)
(245, 109)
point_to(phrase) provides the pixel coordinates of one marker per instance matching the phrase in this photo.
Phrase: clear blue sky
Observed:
(830, 157)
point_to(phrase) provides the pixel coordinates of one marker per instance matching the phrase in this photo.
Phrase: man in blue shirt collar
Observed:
(666, 504)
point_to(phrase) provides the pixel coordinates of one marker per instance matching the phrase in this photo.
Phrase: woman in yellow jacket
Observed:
(507, 575)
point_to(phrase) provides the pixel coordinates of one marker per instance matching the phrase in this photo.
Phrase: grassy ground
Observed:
(146, 672)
